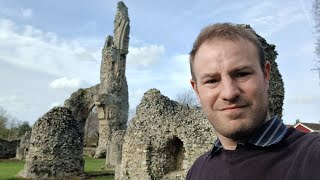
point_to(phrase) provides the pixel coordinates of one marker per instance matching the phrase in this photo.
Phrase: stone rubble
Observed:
(55, 150)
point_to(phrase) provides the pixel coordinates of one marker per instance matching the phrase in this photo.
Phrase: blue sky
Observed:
(49, 49)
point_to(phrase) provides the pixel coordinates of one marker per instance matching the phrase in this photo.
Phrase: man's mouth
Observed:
(232, 107)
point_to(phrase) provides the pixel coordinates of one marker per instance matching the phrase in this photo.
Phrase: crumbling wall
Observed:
(163, 138)
(113, 92)
(8, 148)
(80, 103)
(114, 154)
(89, 151)
(23, 148)
(276, 86)
(111, 95)
(55, 150)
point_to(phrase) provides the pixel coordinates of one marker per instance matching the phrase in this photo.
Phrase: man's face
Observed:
(231, 86)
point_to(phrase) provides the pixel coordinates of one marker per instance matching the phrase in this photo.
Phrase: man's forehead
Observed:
(225, 59)
(215, 70)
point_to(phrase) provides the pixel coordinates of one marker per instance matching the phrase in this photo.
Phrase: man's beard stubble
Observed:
(246, 131)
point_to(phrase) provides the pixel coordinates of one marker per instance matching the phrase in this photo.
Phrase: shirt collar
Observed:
(271, 132)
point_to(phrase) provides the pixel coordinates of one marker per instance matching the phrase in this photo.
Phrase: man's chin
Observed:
(239, 133)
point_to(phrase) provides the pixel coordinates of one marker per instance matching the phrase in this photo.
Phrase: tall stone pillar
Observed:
(113, 92)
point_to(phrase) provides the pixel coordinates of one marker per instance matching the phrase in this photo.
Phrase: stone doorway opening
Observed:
(174, 154)
(91, 129)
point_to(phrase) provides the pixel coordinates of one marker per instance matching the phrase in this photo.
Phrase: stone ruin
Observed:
(276, 86)
(23, 148)
(163, 139)
(81, 103)
(55, 150)
(161, 142)
(8, 148)
(113, 92)
(111, 95)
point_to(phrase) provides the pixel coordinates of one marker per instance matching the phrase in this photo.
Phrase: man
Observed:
(231, 79)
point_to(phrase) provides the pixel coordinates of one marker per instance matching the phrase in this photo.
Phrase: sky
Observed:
(49, 49)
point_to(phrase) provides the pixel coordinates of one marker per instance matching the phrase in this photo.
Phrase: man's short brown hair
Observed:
(226, 31)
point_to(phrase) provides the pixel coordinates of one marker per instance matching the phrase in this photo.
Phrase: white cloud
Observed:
(26, 13)
(269, 18)
(171, 74)
(181, 70)
(32, 48)
(135, 96)
(144, 56)
(65, 82)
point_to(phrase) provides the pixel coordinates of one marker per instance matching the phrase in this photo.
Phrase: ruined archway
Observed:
(91, 130)
(174, 153)
(111, 95)
(81, 103)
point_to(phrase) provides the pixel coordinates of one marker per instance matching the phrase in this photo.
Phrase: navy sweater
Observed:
(295, 157)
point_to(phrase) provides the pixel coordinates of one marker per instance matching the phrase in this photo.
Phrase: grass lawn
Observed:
(10, 168)
(93, 167)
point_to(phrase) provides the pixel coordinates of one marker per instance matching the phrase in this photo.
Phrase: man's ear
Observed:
(194, 87)
(267, 70)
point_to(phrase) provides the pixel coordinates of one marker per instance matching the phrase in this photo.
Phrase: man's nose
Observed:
(229, 90)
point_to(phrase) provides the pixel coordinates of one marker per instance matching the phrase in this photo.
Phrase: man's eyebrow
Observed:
(208, 75)
(241, 68)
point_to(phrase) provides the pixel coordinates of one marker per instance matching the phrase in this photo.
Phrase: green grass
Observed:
(10, 168)
(93, 164)
(93, 167)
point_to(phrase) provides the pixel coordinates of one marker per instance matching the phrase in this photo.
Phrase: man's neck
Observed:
(227, 143)
(230, 144)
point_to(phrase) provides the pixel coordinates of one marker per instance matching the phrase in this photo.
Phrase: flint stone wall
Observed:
(89, 152)
(81, 103)
(55, 147)
(113, 92)
(114, 149)
(8, 148)
(163, 139)
(276, 86)
(23, 148)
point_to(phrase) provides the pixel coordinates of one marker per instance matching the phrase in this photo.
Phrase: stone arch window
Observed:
(174, 155)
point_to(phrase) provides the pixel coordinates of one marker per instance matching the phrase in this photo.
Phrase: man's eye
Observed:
(243, 74)
(211, 81)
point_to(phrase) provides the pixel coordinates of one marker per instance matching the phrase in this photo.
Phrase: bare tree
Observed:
(187, 98)
(3, 123)
(12, 128)
(316, 16)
